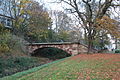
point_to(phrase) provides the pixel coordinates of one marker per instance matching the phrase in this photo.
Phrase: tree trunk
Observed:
(90, 39)
(90, 44)
(116, 43)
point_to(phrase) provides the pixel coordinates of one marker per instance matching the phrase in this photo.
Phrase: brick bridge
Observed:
(71, 48)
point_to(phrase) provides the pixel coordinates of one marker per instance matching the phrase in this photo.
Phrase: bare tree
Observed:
(16, 10)
(88, 11)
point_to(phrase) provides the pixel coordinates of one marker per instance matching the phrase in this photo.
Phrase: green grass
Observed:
(81, 67)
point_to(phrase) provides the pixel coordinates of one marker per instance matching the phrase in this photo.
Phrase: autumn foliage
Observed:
(108, 24)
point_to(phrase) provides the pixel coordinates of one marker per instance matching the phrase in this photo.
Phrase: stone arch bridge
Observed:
(71, 48)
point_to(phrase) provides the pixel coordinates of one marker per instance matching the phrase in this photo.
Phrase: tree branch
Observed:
(103, 8)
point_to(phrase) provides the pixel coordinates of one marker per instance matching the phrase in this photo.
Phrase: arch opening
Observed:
(50, 52)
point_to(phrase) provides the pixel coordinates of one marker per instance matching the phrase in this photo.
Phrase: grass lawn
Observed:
(80, 67)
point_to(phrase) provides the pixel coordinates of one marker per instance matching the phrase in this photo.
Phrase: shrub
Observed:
(117, 51)
(14, 64)
(10, 43)
(4, 38)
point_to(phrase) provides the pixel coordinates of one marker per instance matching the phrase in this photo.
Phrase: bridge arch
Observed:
(50, 52)
(71, 48)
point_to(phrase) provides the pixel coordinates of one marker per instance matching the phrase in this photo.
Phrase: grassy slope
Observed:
(81, 67)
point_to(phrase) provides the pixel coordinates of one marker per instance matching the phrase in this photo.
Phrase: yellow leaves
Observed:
(4, 36)
(19, 11)
(3, 30)
(4, 48)
(22, 3)
(21, 20)
(25, 1)
(108, 24)
(28, 11)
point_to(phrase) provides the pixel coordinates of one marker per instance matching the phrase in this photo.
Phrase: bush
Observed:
(117, 51)
(4, 38)
(10, 43)
(15, 64)
(51, 53)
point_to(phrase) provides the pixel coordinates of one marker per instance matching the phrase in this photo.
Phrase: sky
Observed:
(50, 5)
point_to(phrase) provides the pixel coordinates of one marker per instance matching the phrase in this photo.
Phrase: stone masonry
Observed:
(71, 48)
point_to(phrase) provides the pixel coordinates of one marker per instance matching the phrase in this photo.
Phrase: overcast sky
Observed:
(50, 5)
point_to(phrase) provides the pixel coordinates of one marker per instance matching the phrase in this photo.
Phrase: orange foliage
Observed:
(109, 25)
